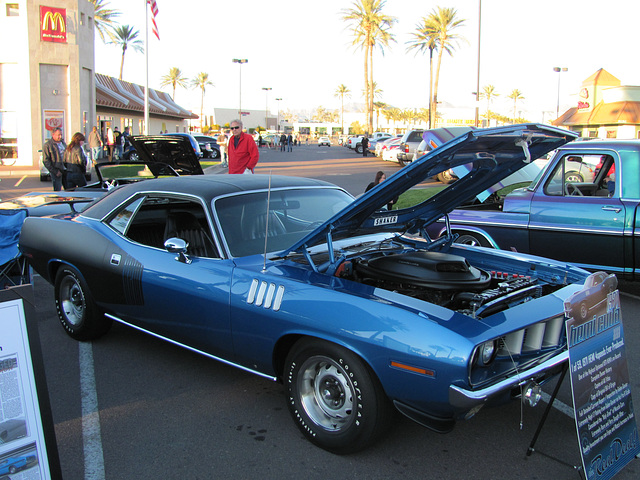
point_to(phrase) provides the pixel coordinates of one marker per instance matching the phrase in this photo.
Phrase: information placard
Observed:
(605, 420)
(27, 440)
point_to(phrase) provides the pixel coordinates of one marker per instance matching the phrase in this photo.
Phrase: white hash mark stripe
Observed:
(91, 437)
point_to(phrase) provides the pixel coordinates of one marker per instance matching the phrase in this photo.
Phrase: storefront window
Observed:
(8, 137)
(13, 10)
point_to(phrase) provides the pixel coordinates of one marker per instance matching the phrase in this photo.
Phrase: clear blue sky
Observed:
(302, 50)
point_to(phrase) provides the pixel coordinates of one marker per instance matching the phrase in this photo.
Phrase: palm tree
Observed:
(442, 21)
(378, 106)
(370, 29)
(489, 92)
(342, 91)
(425, 38)
(174, 79)
(125, 36)
(104, 19)
(515, 95)
(201, 81)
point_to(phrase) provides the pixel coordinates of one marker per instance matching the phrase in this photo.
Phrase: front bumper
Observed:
(464, 400)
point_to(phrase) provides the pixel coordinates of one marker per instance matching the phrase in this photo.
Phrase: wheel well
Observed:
(484, 240)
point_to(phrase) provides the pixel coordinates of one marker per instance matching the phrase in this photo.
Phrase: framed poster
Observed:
(27, 437)
(52, 119)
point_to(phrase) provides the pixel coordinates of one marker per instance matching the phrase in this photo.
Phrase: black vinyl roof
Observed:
(206, 187)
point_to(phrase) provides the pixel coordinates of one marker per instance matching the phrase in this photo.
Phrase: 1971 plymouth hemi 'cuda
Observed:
(353, 307)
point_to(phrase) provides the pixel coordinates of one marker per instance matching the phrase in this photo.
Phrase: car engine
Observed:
(443, 279)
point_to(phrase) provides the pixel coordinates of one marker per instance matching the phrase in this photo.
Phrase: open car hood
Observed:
(491, 154)
(174, 151)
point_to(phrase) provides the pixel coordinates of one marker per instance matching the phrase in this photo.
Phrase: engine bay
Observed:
(443, 279)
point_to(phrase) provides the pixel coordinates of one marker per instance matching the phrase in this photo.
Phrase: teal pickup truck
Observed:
(582, 208)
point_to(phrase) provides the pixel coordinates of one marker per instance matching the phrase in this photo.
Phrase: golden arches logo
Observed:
(55, 20)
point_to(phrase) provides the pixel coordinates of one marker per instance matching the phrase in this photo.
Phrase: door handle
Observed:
(609, 208)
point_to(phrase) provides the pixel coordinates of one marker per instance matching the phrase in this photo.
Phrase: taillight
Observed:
(406, 149)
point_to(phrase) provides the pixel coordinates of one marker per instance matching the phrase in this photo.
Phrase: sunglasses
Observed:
(234, 128)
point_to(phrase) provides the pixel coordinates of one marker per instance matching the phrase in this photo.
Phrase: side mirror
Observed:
(179, 246)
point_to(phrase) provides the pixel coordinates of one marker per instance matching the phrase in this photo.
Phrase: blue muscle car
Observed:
(354, 308)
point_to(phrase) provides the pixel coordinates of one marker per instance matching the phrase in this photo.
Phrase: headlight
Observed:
(486, 352)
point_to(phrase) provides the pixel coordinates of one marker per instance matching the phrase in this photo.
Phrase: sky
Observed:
(303, 51)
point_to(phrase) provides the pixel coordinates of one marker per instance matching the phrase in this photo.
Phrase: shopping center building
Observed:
(48, 80)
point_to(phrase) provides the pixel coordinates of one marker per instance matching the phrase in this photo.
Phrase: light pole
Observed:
(266, 107)
(559, 70)
(240, 61)
(477, 92)
(278, 100)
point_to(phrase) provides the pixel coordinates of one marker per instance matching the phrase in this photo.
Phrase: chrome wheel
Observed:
(72, 301)
(326, 393)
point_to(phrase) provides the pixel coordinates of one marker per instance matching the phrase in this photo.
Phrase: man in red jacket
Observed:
(242, 149)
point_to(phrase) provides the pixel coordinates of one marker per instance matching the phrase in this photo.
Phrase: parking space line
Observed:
(91, 436)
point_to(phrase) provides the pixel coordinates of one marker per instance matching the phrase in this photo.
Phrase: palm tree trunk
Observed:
(430, 85)
(124, 49)
(366, 79)
(434, 101)
(201, 108)
(370, 123)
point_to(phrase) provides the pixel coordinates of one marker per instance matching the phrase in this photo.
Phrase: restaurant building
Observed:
(604, 109)
(48, 80)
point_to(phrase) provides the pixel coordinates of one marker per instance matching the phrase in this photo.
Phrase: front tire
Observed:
(470, 239)
(359, 148)
(76, 309)
(334, 398)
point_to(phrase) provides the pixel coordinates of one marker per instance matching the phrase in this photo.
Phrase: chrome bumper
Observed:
(464, 400)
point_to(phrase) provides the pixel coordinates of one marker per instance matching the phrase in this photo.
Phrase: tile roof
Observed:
(114, 93)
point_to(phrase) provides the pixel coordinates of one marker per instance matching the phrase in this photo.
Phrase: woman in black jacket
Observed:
(75, 162)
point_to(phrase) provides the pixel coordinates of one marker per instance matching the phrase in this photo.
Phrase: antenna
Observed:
(266, 226)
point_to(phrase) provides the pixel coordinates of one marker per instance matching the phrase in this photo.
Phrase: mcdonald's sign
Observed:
(53, 24)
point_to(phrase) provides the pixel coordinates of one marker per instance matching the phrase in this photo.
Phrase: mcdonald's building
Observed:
(48, 80)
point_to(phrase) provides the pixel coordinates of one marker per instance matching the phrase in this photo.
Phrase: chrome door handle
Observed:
(609, 208)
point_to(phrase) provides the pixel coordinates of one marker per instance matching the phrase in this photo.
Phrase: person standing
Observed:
(289, 143)
(243, 152)
(95, 144)
(283, 141)
(110, 143)
(222, 143)
(117, 141)
(381, 177)
(365, 145)
(126, 144)
(53, 159)
(75, 162)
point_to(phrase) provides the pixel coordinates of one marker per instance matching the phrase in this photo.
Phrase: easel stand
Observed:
(531, 449)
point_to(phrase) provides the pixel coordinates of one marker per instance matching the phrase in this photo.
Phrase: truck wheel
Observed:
(334, 398)
(471, 239)
(359, 148)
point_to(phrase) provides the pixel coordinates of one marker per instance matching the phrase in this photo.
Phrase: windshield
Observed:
(292, 214)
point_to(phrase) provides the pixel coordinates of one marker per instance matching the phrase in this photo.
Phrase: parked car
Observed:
(373, 142)
(408, 144)
(192, 140)
(345, 303)
(324, 141)
(382, 145)
(390, 150)
(209, 146)
(589, 223)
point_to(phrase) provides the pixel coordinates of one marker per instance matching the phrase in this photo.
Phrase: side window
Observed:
(152, 220)
(581, 175)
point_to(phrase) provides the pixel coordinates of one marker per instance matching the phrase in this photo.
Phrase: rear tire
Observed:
(334, 398)
(359, 148)
(76, 309)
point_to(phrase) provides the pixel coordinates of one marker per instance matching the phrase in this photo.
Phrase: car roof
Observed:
(206, 187)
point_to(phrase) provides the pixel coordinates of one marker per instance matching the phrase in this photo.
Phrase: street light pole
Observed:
(477, 92)
(278, 127)
(266, 107)
(559, 70)
(240, 61)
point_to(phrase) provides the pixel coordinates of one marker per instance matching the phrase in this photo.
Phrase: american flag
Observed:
(154, 11)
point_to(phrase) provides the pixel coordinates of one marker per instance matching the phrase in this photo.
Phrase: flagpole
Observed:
(146, 69)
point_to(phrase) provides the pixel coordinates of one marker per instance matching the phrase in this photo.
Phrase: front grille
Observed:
(542, 335)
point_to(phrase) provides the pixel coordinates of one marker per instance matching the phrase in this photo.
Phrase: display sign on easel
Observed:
(605, 421)
(27, 438)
